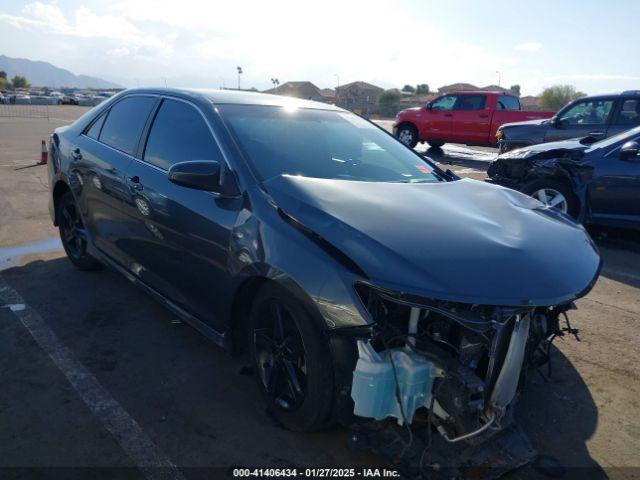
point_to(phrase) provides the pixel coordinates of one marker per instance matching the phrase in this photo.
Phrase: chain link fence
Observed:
(24, 111)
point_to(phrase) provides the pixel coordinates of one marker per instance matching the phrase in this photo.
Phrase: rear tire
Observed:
(292, 361)
(73, 234)
(407, 135)
(553, 193)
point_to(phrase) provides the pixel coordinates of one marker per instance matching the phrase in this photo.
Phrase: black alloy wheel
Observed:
(280, 356)
(73, 234)
(292, 360)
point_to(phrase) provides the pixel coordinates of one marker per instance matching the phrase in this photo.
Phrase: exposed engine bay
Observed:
(453, 368)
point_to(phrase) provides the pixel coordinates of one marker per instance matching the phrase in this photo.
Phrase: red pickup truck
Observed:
(471, 118)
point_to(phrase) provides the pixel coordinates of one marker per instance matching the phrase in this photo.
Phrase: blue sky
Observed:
(590, 44)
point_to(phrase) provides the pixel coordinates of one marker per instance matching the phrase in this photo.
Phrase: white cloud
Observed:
(208, 39)
(528, 47)
(38, 16)
(118, 52)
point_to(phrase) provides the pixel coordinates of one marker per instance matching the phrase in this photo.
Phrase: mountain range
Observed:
(43, 74)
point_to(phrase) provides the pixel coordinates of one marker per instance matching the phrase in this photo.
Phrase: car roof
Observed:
(479, 92)
(626, 93)
(238, 97)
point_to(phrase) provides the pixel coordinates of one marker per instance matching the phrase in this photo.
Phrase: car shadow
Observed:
(198, 403)
(620, 252)
(559, 415)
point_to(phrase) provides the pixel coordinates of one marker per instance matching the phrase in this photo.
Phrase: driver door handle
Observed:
(448, 114)
(596, 134)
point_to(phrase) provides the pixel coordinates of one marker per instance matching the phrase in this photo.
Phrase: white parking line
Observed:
(132, 439)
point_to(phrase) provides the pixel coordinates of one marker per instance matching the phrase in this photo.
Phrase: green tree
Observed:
(19, 82)
(422, 89)
(515, 89)
(409, 88)
(3, 74)
(4, 84)
(557, 96)
(388, 100)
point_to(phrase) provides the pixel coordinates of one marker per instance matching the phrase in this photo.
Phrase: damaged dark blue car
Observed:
(596, 182)
(365, 282)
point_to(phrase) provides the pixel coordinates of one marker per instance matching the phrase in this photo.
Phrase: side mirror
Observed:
(198, 174)
(429, 106)
(629, 151)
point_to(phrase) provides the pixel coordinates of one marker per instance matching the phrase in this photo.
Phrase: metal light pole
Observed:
(499, 77)
(338, 79)
(239, 73)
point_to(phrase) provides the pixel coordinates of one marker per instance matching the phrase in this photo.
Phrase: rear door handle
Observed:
(596, 134)
(448, 114)
(134, 183)
(484, 115)
(76, 154)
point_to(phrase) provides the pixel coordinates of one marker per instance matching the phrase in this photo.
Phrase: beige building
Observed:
(360, 97)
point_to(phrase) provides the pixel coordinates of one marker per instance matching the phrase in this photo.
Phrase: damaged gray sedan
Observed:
(366, 283)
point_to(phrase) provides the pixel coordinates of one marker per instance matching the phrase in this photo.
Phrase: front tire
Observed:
(292, 361)
(73, 235)
(553, 193)
(435, 143)
(407, 135)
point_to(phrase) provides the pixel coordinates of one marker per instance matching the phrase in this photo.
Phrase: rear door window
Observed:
(470, 102)
(125, 121)
(629, 114)
(508, 102)
(179, 134)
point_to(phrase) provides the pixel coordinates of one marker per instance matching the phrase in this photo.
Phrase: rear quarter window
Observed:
(94, 130)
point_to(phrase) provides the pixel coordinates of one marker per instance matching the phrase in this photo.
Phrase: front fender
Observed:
(264, 245)
(577, 175)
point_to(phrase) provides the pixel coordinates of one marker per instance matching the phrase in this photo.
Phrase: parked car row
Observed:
(53, 98)
(365, 282)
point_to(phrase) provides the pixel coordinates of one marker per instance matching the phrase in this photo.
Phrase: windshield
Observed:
(626, 135)
(321, 144)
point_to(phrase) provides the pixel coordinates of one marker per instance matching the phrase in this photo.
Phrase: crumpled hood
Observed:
(573, 145)
(464, 241)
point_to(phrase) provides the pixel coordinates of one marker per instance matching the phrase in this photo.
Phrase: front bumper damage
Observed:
(435, 383)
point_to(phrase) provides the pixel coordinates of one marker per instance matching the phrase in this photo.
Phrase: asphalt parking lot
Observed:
(190, 404)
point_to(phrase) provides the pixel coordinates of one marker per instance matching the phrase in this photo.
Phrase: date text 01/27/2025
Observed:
(315, 473)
